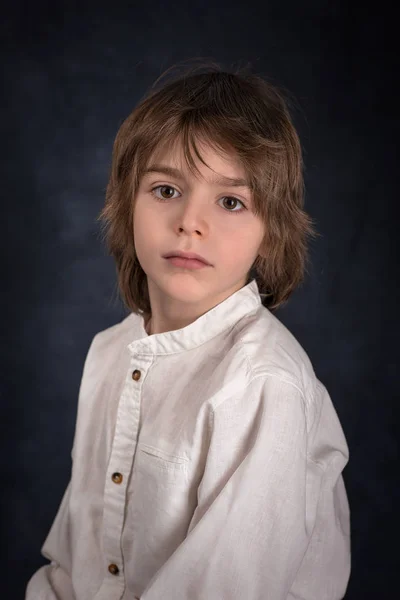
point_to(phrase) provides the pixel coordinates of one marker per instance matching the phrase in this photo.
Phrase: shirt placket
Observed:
(117, 478)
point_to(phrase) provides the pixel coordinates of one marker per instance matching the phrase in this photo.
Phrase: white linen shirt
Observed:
(207, 465)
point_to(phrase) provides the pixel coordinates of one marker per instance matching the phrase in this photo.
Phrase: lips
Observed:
(186, 255)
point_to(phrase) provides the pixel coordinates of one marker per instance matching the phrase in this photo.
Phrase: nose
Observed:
(191, 219)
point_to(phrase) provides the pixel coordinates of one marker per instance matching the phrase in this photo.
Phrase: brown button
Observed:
(113, 569)
(117, 477)
(136, 375)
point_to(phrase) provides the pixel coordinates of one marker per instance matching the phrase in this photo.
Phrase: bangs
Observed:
(188, 135)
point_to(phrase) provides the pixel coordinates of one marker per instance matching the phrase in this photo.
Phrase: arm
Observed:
(256, 515)
(52, 582)
(325, 569)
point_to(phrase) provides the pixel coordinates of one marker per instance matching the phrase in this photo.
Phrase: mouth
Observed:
(187, 256)
(186, 263)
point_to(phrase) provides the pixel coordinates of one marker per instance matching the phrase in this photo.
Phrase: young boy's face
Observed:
(183, 211)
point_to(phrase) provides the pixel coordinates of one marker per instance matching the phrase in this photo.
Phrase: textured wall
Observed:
(71, 73)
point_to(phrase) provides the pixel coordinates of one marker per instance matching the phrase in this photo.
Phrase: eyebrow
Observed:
(228, 181)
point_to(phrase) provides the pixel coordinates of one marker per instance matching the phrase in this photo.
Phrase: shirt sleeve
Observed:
(272, 517)
(52, 581)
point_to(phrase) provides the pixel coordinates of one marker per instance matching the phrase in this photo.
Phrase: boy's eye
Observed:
(166, 192)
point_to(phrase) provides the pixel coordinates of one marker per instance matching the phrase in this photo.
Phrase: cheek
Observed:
(236, 251)
(242, 246)
(142, 221)
(149, 236)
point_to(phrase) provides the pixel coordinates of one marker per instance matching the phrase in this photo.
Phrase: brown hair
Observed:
(234, 111)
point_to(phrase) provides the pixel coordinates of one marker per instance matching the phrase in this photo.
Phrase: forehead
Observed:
(220, 161)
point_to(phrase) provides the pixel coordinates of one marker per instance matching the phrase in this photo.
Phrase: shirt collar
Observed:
(219, 319)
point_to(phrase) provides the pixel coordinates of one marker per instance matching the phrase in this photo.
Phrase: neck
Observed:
(148, 326)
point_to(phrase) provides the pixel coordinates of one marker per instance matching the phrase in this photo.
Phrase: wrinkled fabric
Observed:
(231, 456)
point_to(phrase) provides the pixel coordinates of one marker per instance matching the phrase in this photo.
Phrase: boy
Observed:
(208, 458)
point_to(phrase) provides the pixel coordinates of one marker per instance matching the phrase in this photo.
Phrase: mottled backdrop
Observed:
(71, 72)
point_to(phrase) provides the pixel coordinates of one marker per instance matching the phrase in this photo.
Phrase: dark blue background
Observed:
(71, 73)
